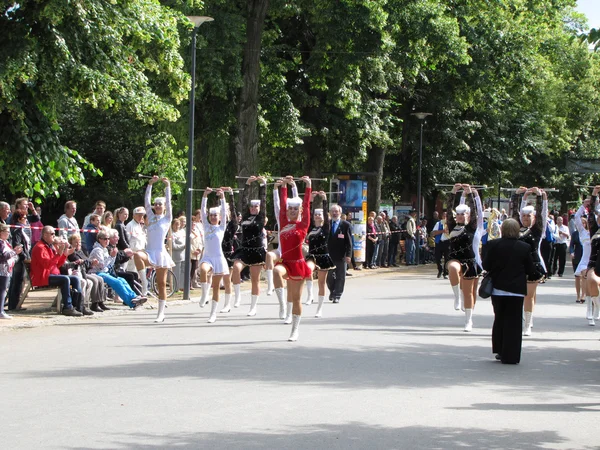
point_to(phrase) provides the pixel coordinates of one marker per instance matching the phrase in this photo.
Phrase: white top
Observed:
(441, 225)
(584, 238)
(157, 227)
(561, 239)
(70, 225)
(136, 236)
(213, 234)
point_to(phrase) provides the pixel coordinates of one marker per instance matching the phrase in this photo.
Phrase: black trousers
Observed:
(16, 283)
(507, 329)
(560, 257)
(336, 279)
(546, 251)
(441, 249)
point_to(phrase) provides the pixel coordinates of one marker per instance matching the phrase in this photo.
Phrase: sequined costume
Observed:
(277, 208)
(534, 234)
(291, 238)
(252, 251)
(317, 242)
(464, 239)
(157, 228)
(230, 242)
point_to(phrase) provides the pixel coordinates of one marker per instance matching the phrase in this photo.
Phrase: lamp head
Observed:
(199, 20)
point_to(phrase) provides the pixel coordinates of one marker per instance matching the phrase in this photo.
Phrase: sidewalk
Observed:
(38, 312)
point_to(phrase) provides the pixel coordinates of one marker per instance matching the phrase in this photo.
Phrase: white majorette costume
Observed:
(251, 251)
(464, 239)
(584, 238)
(593, 303)
(213, 238)
(157, 228)
(532, 235)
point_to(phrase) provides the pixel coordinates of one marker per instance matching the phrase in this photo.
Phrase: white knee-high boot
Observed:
(295, 328)
(253, 304)
(596, 308)
(468, 319)
(238, 296)
(205, 290)
(319, 312)
(309, 292)
(456, 291)
(589, 315)
(227, 306)
(213, 311)
(528, 321)
(270, 287)
(160, 317)
(288, 316)
(280, 297)
(143, 281)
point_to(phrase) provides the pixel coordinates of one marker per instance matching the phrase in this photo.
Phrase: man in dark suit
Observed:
(340, 250)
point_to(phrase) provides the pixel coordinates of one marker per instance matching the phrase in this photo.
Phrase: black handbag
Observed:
(486, 288)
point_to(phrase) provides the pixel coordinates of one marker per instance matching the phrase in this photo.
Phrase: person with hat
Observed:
(464, 266)
(251, 252)
(533, 220)
(136, 235)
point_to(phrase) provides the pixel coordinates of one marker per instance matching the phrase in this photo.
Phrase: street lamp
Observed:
(421, 116)
(197, 21)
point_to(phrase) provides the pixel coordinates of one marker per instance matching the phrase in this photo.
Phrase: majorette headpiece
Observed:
(529, 209)
(294, 201)
(214, 211)
(318, 212)
(161, 200)
(463, 209)
(254, 202)
(487, 213)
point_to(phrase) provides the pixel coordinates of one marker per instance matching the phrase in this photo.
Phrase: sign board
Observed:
(353, 200)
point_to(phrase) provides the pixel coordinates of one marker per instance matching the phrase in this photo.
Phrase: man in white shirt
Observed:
(136, 235)
(67, 223)
(442, 245)
(560, 246)
(410, 241)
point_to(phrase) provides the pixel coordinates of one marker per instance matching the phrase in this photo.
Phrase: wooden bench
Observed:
(52, 291)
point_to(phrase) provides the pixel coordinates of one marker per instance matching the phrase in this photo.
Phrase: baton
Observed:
(148, 176)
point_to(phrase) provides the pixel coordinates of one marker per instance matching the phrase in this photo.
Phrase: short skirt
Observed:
(469, 267)
(322, 262)
(228, 256)
(160, 258)
(217, 263)
(250, 256)
(296, 270)
(539, 273)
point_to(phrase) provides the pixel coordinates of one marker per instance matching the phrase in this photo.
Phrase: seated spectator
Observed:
(99, 209)
(106, 262)
(46, 259)
(107, 221)
(36, 227)
(4, 212)
(19, 239)
(122, 215)
(91, 233)
(67, 223)
(8, 257)
(121, 260)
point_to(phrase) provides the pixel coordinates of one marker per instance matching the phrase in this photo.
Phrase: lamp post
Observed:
(197, 21)
(421, 116)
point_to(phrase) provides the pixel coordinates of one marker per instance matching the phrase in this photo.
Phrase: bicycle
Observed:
(172, 285)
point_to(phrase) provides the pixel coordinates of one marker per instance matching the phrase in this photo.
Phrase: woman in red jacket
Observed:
(46, 258)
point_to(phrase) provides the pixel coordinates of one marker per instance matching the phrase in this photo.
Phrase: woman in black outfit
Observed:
(510, 264)
(122, 214)
(19, 237)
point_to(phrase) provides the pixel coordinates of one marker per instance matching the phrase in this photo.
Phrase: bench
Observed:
(52, 291)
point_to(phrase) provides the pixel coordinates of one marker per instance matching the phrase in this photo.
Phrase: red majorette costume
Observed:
(291, 237)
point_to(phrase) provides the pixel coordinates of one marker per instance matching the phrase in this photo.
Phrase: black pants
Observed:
(546, 251)
(393, 251)
(441, 249)
(369, 253)
(130, 277)
(507, 328)
(336, 279)
(16, 282)
(560, 257)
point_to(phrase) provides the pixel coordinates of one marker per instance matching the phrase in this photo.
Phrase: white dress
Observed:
(157, 229)
(213, 237)
(584, 238)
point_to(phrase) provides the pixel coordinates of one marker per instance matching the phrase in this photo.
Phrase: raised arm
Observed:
(592, 223)
(276, 205)
(223, 223)
(450, 220)
(541, 214)
(262, 195)
(326, 222)
(148, 199)
(578, 216)
(169, 209)
(306, 201)
(203, 211)
(479, 211)
(283, 208)
(245, 195)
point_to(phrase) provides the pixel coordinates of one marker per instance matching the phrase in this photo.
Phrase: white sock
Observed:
(288, 316)
(309, 292)
(213, 311)
(319, 312)
(590, 308)
(279, 292)
(205, 290)
(528, 320)
(238, 296)
(295, 327)
(143, 281)
(456, 291)
(468, 319)
(226, 307)
(160, 317)
(253, 303)
(595, 308)
(269, 273)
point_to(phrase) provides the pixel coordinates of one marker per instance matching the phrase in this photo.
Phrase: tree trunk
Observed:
(246, 141)
(375, 160)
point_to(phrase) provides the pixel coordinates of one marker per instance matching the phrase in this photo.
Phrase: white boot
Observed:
(288, 316)
(213, 311)
(238, 296)
(309, 292)
(4, 315)
(468, 320)
(319, 312)
(143, 282)
(226, 306)
(270, 287)
(456, 291)
(280, 292)
(253, 304)
(590, 308)
(205, 290)
(528, 320)
(295, 325)
(462, 301)
(596, 305)
(161, 312)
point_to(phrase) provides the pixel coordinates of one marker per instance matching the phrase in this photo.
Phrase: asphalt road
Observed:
(389, 367)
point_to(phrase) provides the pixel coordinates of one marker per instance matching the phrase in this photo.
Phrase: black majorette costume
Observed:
(252, 251)
(230, 242)
(317, 241)
(464, 239)
(532, 235)
(593, 303)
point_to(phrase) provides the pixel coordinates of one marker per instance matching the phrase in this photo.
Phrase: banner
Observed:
(353, 200)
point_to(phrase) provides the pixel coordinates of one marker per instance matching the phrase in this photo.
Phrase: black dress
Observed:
(532, 235)
(594, 239)
(317, 242)
(252, 251)
(230, 242)
(461, 239)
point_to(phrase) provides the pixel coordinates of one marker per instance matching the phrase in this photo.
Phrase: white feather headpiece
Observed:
(318, 212)
(463, 209)
(254, 202)
(529, 209)
(294, 201)
(214, 211)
